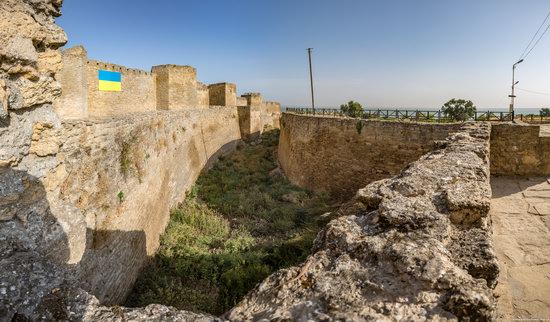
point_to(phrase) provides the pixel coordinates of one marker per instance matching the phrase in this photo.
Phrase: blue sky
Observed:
(381, 53)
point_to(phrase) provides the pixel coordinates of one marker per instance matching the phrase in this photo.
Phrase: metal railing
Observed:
(533, 118)
(404, 115)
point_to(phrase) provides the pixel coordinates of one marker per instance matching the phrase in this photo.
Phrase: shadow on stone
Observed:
(508, 185)
(35, 250)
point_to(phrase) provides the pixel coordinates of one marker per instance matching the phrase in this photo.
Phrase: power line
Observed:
(533, 92)
(535, 35)
(545, 30)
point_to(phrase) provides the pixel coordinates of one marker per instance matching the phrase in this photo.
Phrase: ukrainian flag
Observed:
(110, 81)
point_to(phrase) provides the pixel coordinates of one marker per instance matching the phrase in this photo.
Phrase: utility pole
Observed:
(514, 83)
(311, 80)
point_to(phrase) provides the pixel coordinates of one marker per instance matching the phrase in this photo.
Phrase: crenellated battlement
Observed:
(165, 87)
(117, 68)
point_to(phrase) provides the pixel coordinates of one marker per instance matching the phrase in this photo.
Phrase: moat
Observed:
(241, 222)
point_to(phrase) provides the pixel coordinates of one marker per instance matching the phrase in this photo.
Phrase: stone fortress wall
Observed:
(338, 156)
(341, 155)
(519, 149)
(120, 178)
(138, 93)
(165, 87)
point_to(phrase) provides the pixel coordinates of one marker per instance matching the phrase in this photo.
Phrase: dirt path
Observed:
(520, 210)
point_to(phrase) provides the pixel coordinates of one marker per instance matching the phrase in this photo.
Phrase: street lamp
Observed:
(311, 79)
(514, 83)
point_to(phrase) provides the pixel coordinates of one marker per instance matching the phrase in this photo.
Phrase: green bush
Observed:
(352, 109)
(545, 111)
(459, 109)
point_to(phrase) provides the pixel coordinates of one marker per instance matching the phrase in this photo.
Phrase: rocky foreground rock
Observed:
(413, 247)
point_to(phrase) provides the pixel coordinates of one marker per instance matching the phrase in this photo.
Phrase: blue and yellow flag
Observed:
(110, 81)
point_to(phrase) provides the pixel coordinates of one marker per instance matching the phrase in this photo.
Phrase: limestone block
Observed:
(4, 98)
(56, 36)
(18, 56)
(19, 49)
(55, 177)
(27, 93)
(49, 62)
(16, 17)
(44, 142)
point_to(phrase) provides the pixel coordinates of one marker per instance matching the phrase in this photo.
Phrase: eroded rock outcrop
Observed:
(29, 60)
(68, 303)
(415, 247)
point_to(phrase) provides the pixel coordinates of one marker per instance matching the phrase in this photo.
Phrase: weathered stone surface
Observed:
(28, 38)
(395, 253)
(177, 88)
(49, 62)
(33, 19)
(74, 304)
(18, 49)
(16, 136)
(44, 142)
(4, 98)
(26, 277)
(26, 93)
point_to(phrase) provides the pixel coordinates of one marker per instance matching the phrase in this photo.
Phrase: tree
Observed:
(545, 111)
(353, 109)
(459, 109)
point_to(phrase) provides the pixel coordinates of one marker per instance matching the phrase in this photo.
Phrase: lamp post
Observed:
(513, 85)
(311, 80)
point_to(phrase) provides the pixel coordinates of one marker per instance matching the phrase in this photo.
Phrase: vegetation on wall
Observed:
(459, 109)
(359, 126)
(352, 109)
(241, 222)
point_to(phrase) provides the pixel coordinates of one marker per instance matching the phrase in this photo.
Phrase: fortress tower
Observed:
(178, 88)
(223, 94)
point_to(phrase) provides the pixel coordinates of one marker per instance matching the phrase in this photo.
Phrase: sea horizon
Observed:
(518, 110)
